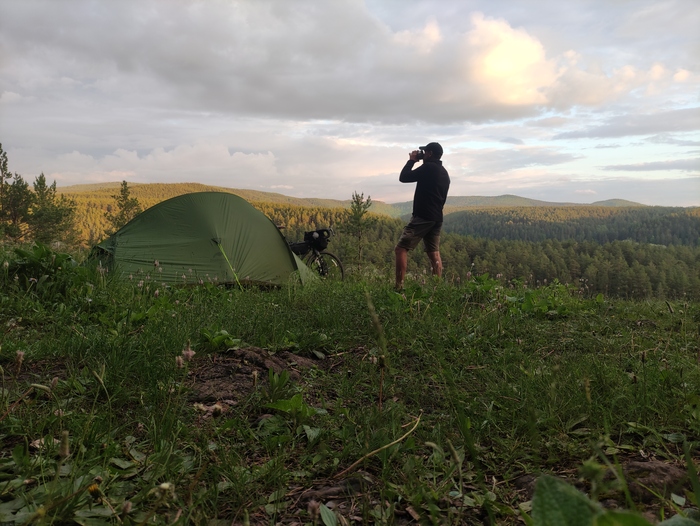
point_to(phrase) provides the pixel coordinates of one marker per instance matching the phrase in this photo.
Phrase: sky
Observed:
(565, 101)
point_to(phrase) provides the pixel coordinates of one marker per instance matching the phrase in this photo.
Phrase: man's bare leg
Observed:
(435, 263)
(401, 264)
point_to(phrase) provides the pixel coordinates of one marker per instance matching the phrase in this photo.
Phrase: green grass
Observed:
(505, 382)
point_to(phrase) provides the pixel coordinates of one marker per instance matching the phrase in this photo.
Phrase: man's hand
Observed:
(414, 155)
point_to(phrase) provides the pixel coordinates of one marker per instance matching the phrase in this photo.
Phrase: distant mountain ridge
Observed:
(458, 203)
(150, 192)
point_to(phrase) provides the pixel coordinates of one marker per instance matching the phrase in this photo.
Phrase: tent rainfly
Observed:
(205, 236)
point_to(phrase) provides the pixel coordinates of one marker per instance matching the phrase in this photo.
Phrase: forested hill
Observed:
(457, 203)
(152, 193)
(92, 202)
(656, 225)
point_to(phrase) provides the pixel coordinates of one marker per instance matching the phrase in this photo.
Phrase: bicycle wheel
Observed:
(327, 265)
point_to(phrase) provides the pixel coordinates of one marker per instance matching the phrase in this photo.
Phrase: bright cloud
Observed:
(509, 65)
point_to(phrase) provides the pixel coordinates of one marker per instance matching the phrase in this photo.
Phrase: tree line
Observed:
(657, 225)
(595, 249)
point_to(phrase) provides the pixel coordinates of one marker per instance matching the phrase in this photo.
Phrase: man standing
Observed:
(428, 201)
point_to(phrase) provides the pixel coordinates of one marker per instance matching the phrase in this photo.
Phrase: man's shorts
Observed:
(417, 229)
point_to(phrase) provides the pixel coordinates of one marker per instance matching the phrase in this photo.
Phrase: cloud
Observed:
(185, 163)
(301, 60)
(491, 161)
(512, 140)
(687, 119)
(422, 41)
(549, 122)
(8, 97)
(685, 165)
(668, 192)
(667, 138)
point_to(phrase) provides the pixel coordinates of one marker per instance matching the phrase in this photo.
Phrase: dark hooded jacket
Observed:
(431, 190)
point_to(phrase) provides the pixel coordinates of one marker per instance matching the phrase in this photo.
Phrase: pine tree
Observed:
(357, 221)
(51, 217)
(17, 200)
(5, 175)
(127, 208)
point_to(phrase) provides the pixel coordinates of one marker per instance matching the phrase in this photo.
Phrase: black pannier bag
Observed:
(318, 238)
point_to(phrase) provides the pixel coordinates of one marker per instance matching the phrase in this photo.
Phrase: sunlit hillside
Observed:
(93, 199)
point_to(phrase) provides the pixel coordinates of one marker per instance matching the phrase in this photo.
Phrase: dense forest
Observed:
(620, 268)
(657, 225)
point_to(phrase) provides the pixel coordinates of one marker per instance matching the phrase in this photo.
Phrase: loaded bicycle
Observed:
(313, 253)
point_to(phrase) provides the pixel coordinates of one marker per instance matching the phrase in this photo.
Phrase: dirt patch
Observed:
(232, 375)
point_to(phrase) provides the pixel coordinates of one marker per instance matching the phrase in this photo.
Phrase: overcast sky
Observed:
(574, 100)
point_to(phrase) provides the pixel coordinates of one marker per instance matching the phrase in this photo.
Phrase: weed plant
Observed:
(481, 383)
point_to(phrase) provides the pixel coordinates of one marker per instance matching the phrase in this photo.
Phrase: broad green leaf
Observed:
(327, 516)
(677, 499)
(312, 433)
(556, 503)
(121, 463)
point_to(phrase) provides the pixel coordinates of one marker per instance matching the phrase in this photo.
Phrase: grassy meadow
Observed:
(335, 403)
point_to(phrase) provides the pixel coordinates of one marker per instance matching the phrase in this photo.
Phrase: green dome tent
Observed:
(205, 236)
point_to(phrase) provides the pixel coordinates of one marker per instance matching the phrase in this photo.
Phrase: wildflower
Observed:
(179, 362)
(20, 358)
(131, 277)
(156, 293)
(164, 491)
(6, 264)
(126, 507)
(94, 491)
(140, 284)
(54, 382)
(156, 264)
